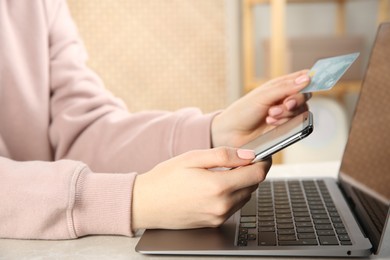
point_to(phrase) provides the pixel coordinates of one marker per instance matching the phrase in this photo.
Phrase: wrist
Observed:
(216, 132)
(137, 211)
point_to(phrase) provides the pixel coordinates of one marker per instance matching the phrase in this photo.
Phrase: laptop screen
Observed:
(365, 168)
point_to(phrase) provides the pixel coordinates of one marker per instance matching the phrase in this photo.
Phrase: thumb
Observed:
(218, 157)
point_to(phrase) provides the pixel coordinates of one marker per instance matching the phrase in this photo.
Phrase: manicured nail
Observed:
(270, 120)
(246, 154)
(290, 104)
(274, 111)
(302, 79)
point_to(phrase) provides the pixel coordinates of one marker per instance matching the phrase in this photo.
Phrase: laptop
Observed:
(343, 217)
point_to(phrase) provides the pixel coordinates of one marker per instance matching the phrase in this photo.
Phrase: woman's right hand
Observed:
(186, 192)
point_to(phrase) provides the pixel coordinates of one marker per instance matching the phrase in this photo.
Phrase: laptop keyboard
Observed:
(291, 213)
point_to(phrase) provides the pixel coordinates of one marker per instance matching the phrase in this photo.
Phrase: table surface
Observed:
(119, 247)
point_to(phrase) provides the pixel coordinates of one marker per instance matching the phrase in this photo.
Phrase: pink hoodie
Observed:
(69, 150)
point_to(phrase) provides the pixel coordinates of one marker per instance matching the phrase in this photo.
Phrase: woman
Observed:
(71, 155)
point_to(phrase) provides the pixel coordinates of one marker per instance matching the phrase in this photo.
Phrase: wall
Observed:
(157, 54)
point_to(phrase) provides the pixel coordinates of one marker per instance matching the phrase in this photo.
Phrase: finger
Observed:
(240, 197)
(291, 106)
(246, 176)
(217, 157)
(297, 100)
(281, 119)
(284, 87)
(290, 76)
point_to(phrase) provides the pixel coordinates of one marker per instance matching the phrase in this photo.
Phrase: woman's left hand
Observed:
(271, 104)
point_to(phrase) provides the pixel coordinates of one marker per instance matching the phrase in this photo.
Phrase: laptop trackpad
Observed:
(155, 240)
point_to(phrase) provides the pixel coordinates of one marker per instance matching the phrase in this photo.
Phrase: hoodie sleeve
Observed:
(98, 148)
(62, 200)
(91, 125)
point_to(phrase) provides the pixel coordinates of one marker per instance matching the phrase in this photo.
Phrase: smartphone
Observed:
(281, 136)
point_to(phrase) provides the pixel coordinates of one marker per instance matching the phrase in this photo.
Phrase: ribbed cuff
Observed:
(103, 204)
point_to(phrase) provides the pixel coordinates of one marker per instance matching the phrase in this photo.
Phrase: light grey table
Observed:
(118, 247)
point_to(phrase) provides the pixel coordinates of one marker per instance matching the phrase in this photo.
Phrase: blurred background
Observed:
(165, 55)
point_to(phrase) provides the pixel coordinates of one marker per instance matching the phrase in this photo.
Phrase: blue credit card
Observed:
(326, 72)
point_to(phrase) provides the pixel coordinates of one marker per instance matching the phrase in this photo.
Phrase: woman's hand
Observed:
(188, 191)
(269, 105)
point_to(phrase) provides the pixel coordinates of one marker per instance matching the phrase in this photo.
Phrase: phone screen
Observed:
(281, 136)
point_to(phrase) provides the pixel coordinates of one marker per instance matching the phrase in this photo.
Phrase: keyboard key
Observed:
(251, 237)
(344, 238)
(300, 205)
(266, 218)
(338, 225)
(286, 226)
(301, 214)
(320, 216)
(302, 219)
(341, 231)
(242, 243)
(266, 205)
(265, 200)
(282, 206)
(266, 223)
(299, 242)
(299, 210)
(286, 231)
(329, 204)
(266, 209)
(267, 229)
(283, 216)
(243, 231)
(305, 230)
(283, 211)
(267, 213)
(304, 224)
(248, 219)
(287, 238)
(316, 211)
(306, 235)
(325, 232)
(328, 240)
(324, 227)
(336, 220)
(243, 237)
(266, 239)
(321, 221)
(319, 207)
(284, 221)
(315, 203)
(248, 225)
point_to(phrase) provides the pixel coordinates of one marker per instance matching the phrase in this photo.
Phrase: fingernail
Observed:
(270, 120)
(308, 95)
(302, 79)
(290, 104)
(274, 111)
(246, 154)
